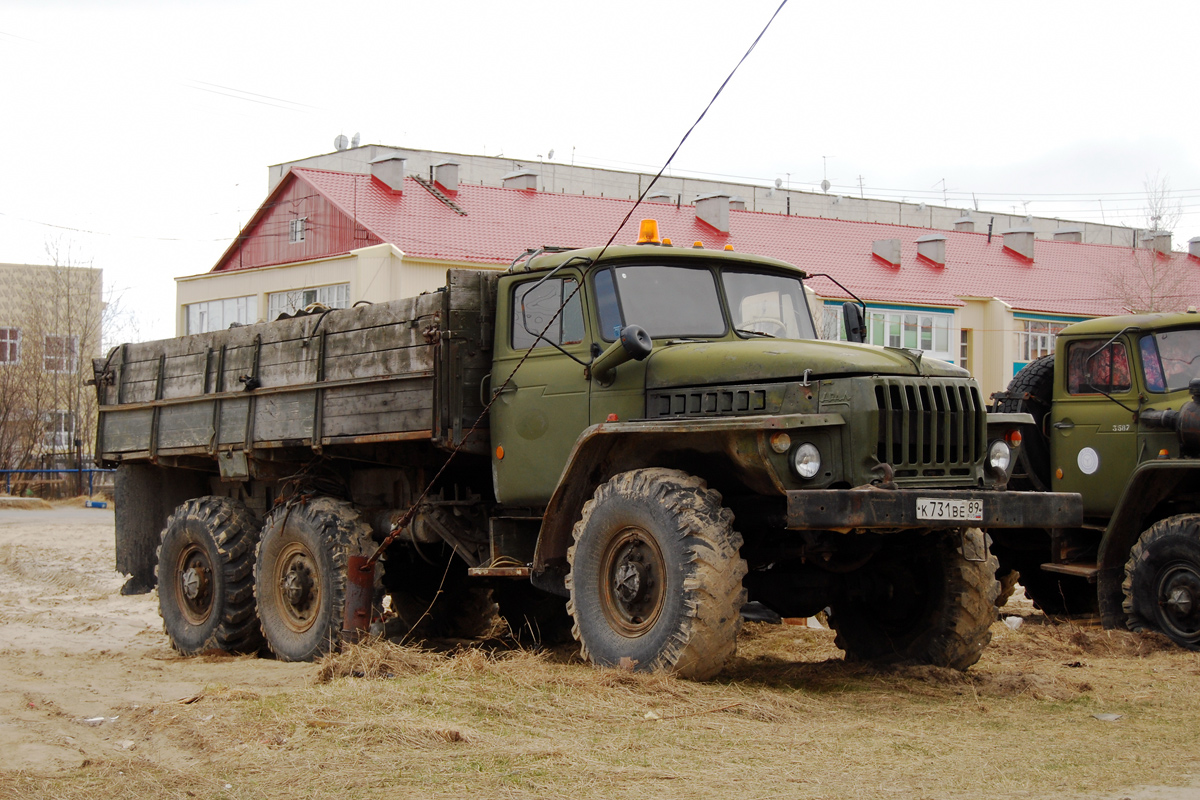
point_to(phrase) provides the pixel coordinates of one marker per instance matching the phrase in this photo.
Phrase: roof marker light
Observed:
(666, 242)
(729, 247)
(698, 245)
(648, 232)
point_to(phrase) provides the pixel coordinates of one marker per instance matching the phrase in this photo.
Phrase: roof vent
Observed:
(1194, 247)
(1158, 240)
(445, 175)
(887, 250)
(390, 171)
(737, 203)
(659, 196)
(521, 179)
(713, 209)
(1019, 241)
(1068, 235)
(932, 248)
(965, 223)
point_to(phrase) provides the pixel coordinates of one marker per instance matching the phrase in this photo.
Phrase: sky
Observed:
(136, 135)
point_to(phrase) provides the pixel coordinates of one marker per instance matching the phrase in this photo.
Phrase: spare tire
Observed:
(1030, 391)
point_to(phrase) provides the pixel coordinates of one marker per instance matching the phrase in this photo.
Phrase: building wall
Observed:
(376, 274)
(566, 178)
(55, 315)
(271, 239)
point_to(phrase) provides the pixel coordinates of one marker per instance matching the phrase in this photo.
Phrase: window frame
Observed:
(69, 360)
(10, 347)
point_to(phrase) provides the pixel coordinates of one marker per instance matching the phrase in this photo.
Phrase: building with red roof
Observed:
(989, 301)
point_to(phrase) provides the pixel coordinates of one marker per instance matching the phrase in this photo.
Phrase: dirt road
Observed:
(93, 702)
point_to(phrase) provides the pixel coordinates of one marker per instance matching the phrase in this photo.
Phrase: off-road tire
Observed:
(304, 550)
(209, 543)
(689, 581)
(1166, 562)
(924, 603)
(436, 600)
(533, 615)
(1036, 379)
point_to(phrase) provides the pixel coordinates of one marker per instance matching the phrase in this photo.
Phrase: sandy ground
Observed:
(76, 656)
(82, 668)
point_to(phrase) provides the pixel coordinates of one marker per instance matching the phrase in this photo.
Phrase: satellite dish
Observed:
(550, 155)
(921, 207)
(825, 186)
(778, 182)
(357, 138)
(340, 142)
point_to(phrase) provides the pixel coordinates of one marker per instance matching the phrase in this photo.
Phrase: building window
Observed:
(217, 315)
(336, 296)
(964, 348)
(927, 331)
(59, 353)
(296, 228)
(1035, 338)
(10, 345)
(60, 429)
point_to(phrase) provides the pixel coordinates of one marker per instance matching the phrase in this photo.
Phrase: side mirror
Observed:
(852, 315)
(633, 344)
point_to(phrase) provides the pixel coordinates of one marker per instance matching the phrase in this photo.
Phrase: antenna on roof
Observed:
(357, 138)
(340, 142)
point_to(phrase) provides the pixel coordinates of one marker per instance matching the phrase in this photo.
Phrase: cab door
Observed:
(539, 415)
(1093, 439)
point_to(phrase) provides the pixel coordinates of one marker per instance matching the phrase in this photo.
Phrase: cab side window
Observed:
(536, 306)
(1093, 368)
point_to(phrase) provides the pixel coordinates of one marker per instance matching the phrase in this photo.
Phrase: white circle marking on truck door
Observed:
(1089, 461)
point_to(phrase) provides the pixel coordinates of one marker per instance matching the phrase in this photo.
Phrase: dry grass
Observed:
(787, 718)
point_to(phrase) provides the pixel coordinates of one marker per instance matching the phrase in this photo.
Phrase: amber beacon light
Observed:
(648, 232)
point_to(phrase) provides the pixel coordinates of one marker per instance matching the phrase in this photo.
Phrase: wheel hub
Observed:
(297, 584)
(299, 596)
(1179, 601)
(633, 589)
(193, 584)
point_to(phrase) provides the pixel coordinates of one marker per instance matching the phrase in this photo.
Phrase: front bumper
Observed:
(846, 509)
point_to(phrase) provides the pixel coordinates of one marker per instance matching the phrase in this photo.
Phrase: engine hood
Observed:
(768, 360)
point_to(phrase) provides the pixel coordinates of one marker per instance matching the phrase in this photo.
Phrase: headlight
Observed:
(999, 455)
(806, 460)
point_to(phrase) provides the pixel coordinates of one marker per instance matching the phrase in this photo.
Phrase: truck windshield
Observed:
(769, 305)
(685, 302)
(1170, 359)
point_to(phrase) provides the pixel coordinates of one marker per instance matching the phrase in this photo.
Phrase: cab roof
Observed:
(1147, 322)
(656, 253)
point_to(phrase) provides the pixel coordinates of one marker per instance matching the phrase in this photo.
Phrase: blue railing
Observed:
(91, 475)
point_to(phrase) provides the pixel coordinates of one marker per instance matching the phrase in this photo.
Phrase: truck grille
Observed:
(930, 427)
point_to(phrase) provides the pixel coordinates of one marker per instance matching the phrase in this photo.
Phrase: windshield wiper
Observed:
(756, 333)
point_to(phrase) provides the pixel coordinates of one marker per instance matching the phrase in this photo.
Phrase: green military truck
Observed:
(572, 439)
(1117, 420)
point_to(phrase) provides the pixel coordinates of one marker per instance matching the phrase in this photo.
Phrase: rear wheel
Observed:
(300, 579)
(655, 576)
(1162, 580)
(922, 602)
(206, 577)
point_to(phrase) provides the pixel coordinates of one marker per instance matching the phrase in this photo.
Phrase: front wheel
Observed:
(655, 576)
(1162, 580)
(300, 576)
(931, 602)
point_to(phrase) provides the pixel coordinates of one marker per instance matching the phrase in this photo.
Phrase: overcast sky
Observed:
(138, 134)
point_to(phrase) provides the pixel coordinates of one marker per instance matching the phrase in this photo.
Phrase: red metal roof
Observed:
(1064, 277)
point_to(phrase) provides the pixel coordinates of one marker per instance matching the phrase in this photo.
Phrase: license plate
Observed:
(965, 510)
